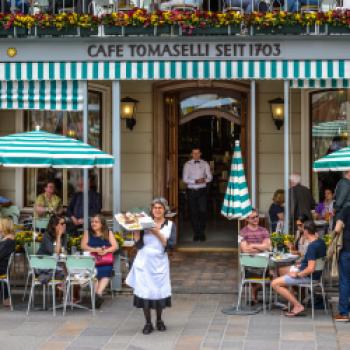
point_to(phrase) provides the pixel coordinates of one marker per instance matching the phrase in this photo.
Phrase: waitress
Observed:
(149, 275)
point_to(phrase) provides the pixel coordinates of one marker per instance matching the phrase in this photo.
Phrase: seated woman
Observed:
(53, 239)
(324, 210)
(301, 274)
(54, 243)
(7, 247)
(101, 241)
(276, 211)
(149, 276)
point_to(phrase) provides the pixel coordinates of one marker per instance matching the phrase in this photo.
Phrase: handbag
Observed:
(103, 260)
(333, 252)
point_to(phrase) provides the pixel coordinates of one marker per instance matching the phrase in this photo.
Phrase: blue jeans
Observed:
(344, 283)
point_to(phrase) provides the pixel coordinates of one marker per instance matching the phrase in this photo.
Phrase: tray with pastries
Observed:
(134, 221)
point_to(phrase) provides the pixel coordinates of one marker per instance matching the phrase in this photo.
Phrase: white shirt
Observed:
(195, 170)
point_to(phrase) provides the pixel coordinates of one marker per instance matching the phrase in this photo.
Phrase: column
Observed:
(286, 156)
(116, 149)
(116, 177)
(85, 139)
(253, 142)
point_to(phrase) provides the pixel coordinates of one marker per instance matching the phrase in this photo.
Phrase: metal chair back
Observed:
(77, 263)
(254, 261)
(42, 262)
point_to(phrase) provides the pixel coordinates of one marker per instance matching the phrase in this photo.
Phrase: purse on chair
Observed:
(103, 260)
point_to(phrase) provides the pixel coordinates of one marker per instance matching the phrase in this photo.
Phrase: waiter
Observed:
(196, 175)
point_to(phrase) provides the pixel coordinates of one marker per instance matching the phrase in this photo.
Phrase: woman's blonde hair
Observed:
(6, 226)
(278, 196)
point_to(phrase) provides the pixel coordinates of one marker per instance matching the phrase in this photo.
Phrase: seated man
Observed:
(47, 203)
(302, 274)
(254, 239)
(75, 210)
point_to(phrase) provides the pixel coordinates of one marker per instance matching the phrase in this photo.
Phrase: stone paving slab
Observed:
(194, 322)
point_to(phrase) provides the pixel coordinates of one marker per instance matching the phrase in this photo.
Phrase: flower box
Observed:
(139, 30)
(207, 31)
(285, 29)
(112, 30)
(330, 29)
(14, 31)
(166, 29)
(53, 31)
(88, 31)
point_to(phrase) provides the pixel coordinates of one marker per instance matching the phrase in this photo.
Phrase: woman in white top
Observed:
(149, 276)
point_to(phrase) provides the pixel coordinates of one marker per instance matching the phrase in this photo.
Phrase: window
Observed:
(330, 113)
(68, 124)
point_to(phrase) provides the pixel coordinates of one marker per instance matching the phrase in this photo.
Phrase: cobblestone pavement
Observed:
(194, 322)
(204, 272)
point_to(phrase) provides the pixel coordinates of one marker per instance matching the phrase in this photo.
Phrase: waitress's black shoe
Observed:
(148, 328)
(161, 326)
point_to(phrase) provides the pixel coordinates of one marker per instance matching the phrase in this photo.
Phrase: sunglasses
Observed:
(253, 217)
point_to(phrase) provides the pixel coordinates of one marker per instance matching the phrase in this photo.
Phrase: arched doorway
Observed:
(210, 115)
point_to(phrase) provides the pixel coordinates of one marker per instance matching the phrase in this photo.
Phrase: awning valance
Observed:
(164, 70)
(41, 95)
(321, 83)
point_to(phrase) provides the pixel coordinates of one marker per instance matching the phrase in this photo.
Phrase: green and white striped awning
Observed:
(336, 161)
(321, 83)
(164, 70)
(41, 95)
(236, 201)
(40, 149)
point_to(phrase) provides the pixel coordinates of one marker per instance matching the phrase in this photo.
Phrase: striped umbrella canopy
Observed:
(40, 149)
(336, 161)
(236, 202)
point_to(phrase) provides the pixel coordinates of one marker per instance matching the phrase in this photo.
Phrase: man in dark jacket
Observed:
(342, 194)
(301, 200)
(75, 210)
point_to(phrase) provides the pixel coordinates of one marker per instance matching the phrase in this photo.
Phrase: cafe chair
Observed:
(5, 281)
(320, 267)
(47, 264)
(259, 262)
(80, 272)
(40, 224)
(29, 249)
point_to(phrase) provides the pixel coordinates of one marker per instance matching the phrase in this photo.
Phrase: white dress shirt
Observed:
(195, 170)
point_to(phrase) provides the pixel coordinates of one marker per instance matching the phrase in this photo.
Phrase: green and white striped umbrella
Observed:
(336, 161)
(236, 202)
(40, 149)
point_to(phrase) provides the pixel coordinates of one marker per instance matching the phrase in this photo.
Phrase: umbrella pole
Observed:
(33, 222)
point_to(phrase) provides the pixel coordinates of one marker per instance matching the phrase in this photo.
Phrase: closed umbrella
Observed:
(236, 202)
(40, 149)
(237, 205)
(336, 161)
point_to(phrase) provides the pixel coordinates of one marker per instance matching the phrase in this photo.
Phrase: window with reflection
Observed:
(68, 124)
(215, 101)
(330, 120)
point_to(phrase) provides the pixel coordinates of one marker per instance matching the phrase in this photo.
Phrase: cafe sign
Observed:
(156, 51)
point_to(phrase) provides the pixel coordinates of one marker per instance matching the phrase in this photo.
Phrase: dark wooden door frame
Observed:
(160, 90)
